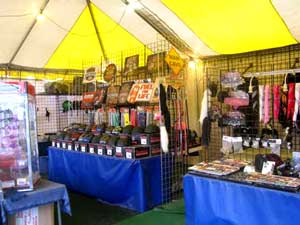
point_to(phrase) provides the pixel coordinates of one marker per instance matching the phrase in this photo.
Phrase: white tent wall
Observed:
(46, 36)
(13, 28)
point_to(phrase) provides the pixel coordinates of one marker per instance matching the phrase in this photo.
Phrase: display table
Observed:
(133, 184)
(46, 192)
(211, 201)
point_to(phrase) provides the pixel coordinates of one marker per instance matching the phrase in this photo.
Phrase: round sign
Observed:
(110, 72)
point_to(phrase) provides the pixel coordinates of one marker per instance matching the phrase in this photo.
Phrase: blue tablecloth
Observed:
(216, 202)
(133, 184)
(46, 192)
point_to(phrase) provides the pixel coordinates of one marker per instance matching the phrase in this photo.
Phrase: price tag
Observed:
(100, 151)
(22, 162)
(76, 147)
(63, 145)
(58, 144)
(119, 149)
(21, 182)
(83, 148)
(109, 152)
(69, 147)
(128, 155)
(144, 141)
(92, 150)
(53, 143)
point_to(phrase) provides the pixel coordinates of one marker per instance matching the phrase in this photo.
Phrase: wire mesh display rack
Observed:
(51, 116)
(269, 67)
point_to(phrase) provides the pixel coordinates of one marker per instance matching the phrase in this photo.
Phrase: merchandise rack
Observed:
(269, 67)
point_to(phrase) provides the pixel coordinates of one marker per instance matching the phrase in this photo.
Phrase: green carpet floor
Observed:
(88, 211)
(171, 214)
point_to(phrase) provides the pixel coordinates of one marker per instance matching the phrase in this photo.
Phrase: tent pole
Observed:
(27, 34)
(88, 2)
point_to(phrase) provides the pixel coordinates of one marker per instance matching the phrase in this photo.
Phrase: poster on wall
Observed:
(156, 62)
(131, 64)
(90, 74)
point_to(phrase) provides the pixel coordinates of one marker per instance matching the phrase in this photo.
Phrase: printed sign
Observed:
(28, 217)
(175, 62)
(90, 74)
(145, 92)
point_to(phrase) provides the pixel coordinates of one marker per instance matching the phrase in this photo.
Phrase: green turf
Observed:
(171, 214)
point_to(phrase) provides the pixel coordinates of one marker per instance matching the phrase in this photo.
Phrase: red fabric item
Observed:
(276, 103)
(236, 102)
(291, 101)
(133, 117)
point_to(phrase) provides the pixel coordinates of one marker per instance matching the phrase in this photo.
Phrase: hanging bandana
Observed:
(291, 101)
(276, 101)
(297, 98)
(266, 104)
(261, 102)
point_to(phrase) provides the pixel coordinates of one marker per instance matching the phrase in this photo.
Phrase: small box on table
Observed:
(136, 151)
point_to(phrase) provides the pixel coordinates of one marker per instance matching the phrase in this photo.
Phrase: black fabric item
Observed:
(151, 129)
(213, 87)
(206, 128)
(284, 101)
(124, 141)
(259, 161)
(252, 110)
(127, 130)
(222, 95)
(137, 130)
(96, 139)
(163, 106)
(113, 140)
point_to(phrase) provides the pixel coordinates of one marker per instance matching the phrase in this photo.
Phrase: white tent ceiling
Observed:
(18, 16)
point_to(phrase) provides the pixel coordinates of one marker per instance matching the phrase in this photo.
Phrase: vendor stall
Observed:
(131, 183)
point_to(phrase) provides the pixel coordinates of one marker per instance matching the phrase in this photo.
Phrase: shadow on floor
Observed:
(88, 211)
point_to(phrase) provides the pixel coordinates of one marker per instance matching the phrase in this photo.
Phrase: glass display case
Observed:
(19, 161)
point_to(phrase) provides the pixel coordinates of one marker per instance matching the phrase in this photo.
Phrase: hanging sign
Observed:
(175, 62)
(145, 92)
(90, 74)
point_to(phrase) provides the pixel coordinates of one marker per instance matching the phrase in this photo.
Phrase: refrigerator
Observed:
(19, 160)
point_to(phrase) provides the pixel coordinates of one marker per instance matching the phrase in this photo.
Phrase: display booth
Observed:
(250, 133)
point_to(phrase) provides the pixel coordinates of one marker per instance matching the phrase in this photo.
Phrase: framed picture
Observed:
(156, 62)
(131, 64)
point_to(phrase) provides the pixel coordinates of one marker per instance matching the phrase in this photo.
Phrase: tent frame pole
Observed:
(88, 2)
(27, 34)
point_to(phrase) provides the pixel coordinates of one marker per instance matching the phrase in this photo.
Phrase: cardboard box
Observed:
(136, 151)
(43, 215)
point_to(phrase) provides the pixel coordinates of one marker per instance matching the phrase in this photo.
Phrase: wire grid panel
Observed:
(261, 61)
(173, 164)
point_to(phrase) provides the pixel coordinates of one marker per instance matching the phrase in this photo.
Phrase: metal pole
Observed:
(58, 213)
(89, 4)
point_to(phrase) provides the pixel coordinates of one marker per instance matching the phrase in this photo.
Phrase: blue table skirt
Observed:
(216, 202)
(46, 192)
(133, 184)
